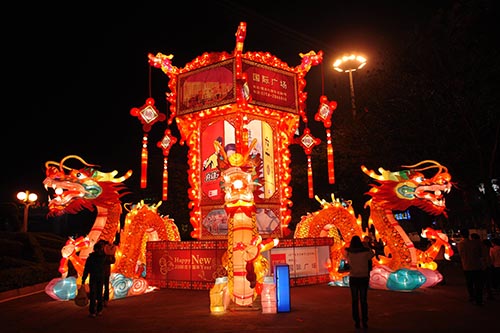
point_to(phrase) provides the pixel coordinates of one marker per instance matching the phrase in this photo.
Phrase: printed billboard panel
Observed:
(303, 261)
(206, 87)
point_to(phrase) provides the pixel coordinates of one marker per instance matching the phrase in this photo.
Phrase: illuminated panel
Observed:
(269, 164)
(271, 87)
(210, 173)
(206, 87)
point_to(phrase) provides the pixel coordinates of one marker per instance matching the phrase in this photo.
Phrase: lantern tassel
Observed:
(310, 177)
(144, 161)
(329, 151)
(165, 179)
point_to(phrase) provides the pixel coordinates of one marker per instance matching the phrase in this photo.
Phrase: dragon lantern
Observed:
(74, 190)
(395, 191)
(246, 267)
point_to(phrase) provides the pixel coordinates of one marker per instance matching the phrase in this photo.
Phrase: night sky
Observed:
(73, 74)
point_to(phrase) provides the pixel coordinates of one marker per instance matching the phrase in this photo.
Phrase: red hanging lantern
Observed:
(166, 143)
(148, 115)
(324, 114)
(308, 141)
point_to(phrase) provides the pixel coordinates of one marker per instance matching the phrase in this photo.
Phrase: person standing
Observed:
(359, 257)
(367, 241)
(488, 269)
(109, 251)
(470, 250)
(495, 260)
(94, 266)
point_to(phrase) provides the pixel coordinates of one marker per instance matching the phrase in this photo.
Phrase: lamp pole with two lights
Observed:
(27, 199)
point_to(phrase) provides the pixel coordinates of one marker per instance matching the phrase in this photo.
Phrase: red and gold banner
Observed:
(271, 87)
(196, 264)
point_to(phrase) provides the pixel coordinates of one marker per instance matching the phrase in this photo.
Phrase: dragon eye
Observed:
(78, 174)
(419, 179)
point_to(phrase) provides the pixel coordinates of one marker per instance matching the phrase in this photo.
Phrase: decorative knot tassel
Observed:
(329, 152)
(310, 177)
(165, 179)
(144, 161)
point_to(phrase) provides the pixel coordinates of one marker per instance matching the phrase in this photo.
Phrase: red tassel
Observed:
(329, 151)
(310, 177)
(165, 179)
(165, 144)
(144, 161)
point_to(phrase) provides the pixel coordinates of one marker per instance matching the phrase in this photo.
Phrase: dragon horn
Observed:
(435, 165)
(61, 164)
(371, 173)
(49, 163)
(110, 176)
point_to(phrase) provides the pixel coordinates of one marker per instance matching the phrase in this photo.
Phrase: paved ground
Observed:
(318, 308)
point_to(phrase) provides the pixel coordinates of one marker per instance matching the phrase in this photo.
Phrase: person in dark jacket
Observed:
(109, 251)
(359, 257)
(94, 266)
(471, 252)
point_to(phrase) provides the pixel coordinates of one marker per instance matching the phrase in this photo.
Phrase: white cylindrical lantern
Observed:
(268, 295)
(218, 295)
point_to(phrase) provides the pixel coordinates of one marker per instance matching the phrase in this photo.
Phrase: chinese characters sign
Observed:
(215, 85)
(271, 87)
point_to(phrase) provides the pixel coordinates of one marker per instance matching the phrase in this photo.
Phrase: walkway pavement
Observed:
(317, 308)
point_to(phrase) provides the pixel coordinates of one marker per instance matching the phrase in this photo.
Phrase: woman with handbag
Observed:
(359, 257)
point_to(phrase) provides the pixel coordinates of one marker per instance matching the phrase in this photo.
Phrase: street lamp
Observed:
(350, 63)
(27, 199)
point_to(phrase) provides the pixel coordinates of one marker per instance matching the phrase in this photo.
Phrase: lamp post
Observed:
(350, 63)
(27, 199)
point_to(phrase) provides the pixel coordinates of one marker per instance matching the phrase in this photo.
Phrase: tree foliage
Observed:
(431, 97)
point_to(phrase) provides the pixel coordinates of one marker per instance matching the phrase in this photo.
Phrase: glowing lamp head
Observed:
(349, 63)
(27, 197)
(32, 197)
(22, 196)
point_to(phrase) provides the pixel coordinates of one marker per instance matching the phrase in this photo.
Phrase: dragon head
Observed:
(72, 190)
(402, 189)
(240, 173)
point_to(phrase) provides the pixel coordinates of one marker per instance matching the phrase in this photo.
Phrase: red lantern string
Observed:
(144, 161)
(324, 114)
(165, 144)
(308, 141)
(148, 115)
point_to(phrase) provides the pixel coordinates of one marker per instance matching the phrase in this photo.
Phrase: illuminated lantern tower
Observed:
(234, 99)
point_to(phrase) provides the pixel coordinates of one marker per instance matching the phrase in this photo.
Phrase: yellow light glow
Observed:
(349, 63)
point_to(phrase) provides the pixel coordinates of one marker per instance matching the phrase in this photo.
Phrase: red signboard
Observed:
(196, 264)
(215, 85)
(271, 87)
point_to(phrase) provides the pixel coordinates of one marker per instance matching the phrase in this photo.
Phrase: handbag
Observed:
(81, 298)
(344, 266)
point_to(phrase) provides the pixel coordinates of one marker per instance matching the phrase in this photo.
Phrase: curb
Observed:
(21, 292)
